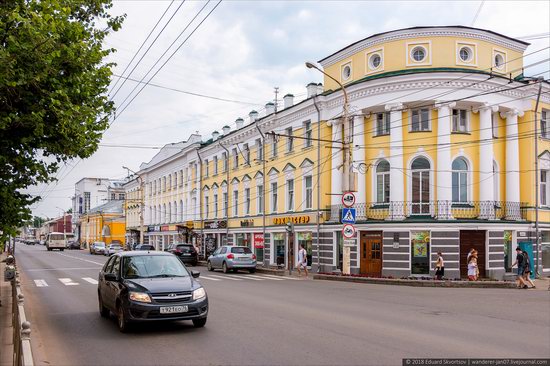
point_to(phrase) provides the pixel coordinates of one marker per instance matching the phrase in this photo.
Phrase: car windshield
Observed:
(99, 244)
(150, 266)
(57, 237)
(241, 250)
(114, 246)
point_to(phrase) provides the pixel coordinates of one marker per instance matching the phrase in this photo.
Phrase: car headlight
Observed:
(139, 296)
(199, 293)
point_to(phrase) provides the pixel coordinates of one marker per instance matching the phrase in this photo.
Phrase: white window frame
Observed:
(289, 140)
(544, 187)
(225, 204)
(456, 121)
(236, 203)
(235, 158)
(259, 150)
(384, 176)
(259, 199)
(225, 162)
(308, 134)
(460, 188)
(420, 122)
(206, 169)
(290, 195)
(246, 153)
(274, 147)
(545, 124)
(274, 196)
(215, 205)
(247, 201)
(206, 205)
(382, 127)
(215, 162)
(308, 192)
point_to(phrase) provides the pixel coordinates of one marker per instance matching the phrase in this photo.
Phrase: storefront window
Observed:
(306, 240)
(279, 245)
(508, 250)
(243, 240)
(420, 256)
(545, 248)
(258, 240)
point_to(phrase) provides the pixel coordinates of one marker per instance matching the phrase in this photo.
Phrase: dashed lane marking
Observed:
(253, 278)
(81, 259)
(68, 282)
(226, 278)
(90, 280)
(40, 283)
(280, 277)
(209, 278)
(59, 269)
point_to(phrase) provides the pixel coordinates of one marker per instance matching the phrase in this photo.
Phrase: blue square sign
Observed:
(348, 215)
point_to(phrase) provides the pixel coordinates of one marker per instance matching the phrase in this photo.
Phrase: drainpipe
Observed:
(263, 187)
(537, 234)
(227, 206)
(200, 203)
(317, 218)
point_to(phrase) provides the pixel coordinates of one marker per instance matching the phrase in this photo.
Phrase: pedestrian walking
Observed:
(439, 267)
(472, 267)
(472, 250)
(302, 260)
(527, 271)
(520, 262)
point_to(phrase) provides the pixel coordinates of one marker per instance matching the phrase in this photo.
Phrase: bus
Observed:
(55, 241)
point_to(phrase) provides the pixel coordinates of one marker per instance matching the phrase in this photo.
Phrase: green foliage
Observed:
(53, 102)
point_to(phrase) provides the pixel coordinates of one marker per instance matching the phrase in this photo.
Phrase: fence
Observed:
(22, 353)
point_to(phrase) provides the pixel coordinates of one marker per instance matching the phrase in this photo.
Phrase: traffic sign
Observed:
(348, 199)
(348, 231)
(350, 242)
(348, 215)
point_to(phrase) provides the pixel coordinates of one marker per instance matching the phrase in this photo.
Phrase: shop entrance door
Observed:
(472, 239)
(371, 253)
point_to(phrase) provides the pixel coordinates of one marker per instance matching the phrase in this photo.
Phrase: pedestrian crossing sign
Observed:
(348, 215)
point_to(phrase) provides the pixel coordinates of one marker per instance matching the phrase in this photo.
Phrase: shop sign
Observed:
(306, 236)
(258, 241)
(219, 224)
(151, 228)
(247, 223)
(165, 228)
(278, 236)
(292, 219)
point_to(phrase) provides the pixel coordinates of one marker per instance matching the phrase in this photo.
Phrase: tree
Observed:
(53, 93)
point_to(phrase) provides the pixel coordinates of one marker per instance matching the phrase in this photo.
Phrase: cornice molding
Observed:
(422, 33)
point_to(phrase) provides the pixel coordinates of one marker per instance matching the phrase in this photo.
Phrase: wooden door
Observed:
(472, 239)
(370, 256)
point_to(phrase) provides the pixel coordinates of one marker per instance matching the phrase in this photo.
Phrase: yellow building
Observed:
(104, 223)
(442, 123)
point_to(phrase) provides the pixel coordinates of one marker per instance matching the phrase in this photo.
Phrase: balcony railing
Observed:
(441, 210)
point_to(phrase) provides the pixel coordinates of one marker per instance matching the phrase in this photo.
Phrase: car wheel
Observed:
(122, 323)
(103, 311)
(209, 266)
(252, 270)
(224, 268)
(199, 323)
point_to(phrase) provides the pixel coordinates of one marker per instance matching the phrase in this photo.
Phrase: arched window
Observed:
(460, 180)
(496, 192)
(420, 189)
(383, 182)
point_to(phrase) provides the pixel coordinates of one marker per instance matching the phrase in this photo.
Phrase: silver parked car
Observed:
(97, 247)
(230, 257)
(112, 249)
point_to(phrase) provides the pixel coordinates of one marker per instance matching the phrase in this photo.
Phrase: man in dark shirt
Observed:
(520, 261)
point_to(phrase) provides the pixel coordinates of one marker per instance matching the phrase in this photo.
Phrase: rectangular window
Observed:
(494, 124)
(382, 124)
(290, 195)
(308, 133)
(121, 196)
(224, 204)
(420, 120)
(274, 147)
(225, 162)
(215, 165)
(113, 196)
(235, 158)
(544, 124)
(87, 201)
(206, 169)
(289, 140)
(544, 187)
(206, 206)
(215, 205)
(260, 199)
(308, 183)
(460, 120)
(274, 197)
(246, 153)
(259, 150)
(247, 201)
(235, 203)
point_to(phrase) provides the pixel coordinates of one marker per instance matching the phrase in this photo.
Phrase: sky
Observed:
(239, 54)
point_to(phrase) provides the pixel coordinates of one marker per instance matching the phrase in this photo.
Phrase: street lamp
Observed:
(141, 203)
(348, 181)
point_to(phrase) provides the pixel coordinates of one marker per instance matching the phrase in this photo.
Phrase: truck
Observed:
(56, 241)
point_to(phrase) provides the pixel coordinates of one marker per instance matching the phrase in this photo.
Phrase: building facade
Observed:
(442, 127)
(104, 223)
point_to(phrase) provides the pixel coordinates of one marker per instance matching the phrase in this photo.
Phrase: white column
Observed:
(397, 197)
(337, 168)
(512, 164)
(486, 157)
(359, 159)
(444, 173)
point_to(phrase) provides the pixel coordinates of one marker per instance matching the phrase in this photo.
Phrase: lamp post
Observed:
(141, 203)
(348, 179)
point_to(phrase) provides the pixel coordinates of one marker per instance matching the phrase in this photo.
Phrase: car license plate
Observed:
(244, 259)
(187, 254)
(173, 309)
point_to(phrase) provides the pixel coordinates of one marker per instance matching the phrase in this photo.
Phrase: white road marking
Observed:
(81, 259)
(90, 280)
(209, 278)
(227, 278)
(280, 277)
(268, 278)
(250, 277)
(40, 283)
(68, 282)
(58, 269)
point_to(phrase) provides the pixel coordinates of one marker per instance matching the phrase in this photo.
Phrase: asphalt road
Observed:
(261, 320)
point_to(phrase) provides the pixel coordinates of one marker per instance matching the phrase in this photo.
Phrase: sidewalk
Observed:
(6, 331)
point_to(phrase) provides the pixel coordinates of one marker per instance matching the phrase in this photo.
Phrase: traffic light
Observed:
(289, 227)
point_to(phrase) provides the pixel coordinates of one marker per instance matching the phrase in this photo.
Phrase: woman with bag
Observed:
(439, 267)
(472, 267)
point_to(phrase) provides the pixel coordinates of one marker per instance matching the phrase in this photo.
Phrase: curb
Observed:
(418, 283)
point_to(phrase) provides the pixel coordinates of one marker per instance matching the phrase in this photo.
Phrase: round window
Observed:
(499, 61)
(375, 61)
(346, 72)
(465, 54)
(418, 53)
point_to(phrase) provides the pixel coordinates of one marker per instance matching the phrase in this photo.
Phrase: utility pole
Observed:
(537, 233)
(276, 98)
(263, 177)
(226, 163)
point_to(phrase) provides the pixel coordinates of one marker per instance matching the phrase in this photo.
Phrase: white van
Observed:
(55, 241)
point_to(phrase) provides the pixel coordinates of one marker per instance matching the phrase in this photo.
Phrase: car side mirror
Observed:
(195, 274)
(111, 277)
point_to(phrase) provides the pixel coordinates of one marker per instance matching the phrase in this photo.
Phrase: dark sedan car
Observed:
(73, 244)
(185, 252)
(150, 286)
